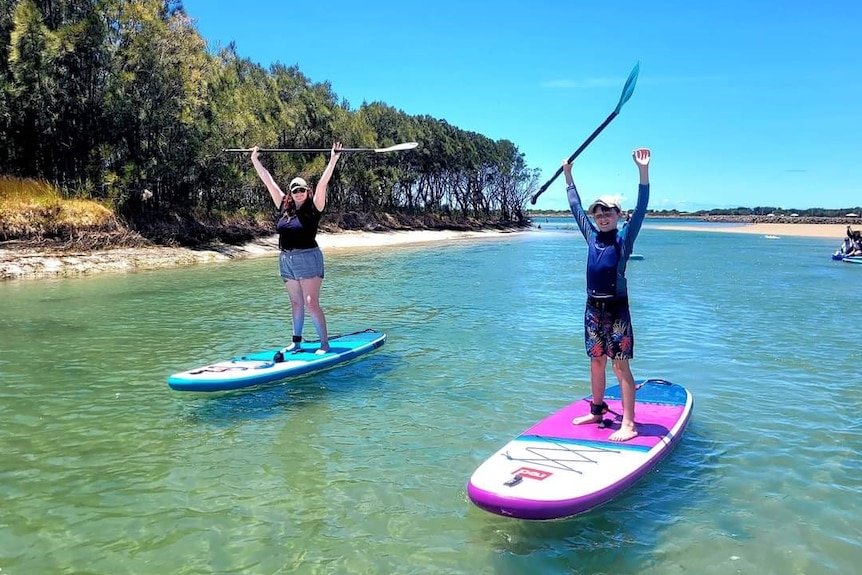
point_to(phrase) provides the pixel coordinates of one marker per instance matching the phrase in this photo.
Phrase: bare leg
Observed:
(297, 305)
(598, 382)
(311, 292)
(627, 429)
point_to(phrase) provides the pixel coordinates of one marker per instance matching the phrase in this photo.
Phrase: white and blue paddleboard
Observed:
(260, 367)
(556, 469)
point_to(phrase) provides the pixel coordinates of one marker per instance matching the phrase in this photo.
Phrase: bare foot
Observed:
(624, 433)
(588, 418)
(321, 351)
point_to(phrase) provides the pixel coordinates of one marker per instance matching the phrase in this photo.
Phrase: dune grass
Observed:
(36, 209)
(17, 192)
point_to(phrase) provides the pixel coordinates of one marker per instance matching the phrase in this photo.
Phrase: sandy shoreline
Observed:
(836, 231)
(35, 264)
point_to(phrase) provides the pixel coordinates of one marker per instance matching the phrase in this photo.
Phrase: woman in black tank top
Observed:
(300, 260)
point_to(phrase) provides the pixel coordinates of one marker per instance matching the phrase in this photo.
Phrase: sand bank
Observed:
(34, 263)
(353, 240)
(835, 231)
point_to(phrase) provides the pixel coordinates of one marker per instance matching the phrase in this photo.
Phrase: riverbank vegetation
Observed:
(121, 104)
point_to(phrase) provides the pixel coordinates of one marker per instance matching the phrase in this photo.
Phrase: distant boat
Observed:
(636, 257)
(772, 237)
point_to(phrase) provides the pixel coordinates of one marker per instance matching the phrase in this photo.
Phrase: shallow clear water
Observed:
(362, 469)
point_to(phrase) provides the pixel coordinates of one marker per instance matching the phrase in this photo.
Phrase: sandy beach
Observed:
(836, 231)
(34, 264)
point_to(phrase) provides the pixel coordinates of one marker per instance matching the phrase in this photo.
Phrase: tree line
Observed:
(108, 98)
(767, 211)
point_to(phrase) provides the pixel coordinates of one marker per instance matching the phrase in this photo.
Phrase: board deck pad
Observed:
(259, 368)
(556, 469)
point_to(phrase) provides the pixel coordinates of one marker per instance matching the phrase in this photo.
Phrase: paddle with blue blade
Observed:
(628, 90)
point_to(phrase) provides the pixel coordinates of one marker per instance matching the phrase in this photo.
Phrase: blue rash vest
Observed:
(608, 251)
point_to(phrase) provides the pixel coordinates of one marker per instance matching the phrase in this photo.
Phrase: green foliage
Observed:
(107, 98)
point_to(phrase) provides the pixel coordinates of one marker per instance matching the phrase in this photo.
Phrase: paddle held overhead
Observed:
(628, 90)
(395, 148)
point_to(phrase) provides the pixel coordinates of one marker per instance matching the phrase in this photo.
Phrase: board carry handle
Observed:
(657, 380)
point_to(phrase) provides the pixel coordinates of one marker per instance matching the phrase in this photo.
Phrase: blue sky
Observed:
(743, 103)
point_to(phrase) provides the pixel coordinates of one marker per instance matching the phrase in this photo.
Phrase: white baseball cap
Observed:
(606, 201)
(297, 183)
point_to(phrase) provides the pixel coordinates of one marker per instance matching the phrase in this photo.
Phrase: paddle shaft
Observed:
(395, 148)
(628, 90)
(577, 153)
(294, 150)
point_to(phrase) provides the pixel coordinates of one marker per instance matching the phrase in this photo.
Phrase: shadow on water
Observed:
(290, 395)
(623, 535)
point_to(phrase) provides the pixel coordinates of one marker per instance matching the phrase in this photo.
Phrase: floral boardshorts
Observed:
(608, 329)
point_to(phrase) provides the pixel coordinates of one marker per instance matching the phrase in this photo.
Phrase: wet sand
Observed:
(836, 231)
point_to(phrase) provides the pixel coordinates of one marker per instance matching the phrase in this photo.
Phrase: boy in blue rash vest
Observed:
(607, 322)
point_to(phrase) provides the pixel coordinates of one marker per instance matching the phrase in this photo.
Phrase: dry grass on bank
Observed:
(31, 206)
(33, 213)
(24, 191)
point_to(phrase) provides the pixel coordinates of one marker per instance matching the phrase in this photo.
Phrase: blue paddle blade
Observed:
(629, 88)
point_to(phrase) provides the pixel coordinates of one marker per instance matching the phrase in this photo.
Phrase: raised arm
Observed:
(584, 223)
(641, 157)
(274, 191)
(323, 183)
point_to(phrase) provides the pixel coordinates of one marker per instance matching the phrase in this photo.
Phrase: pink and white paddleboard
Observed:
(556, 469)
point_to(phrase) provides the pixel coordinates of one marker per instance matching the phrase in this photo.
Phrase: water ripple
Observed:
(363, 469)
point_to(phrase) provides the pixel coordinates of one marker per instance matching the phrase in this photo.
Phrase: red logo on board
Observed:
(530, 473)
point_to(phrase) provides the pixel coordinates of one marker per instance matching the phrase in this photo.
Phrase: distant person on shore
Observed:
(608, 329)
(300, 261)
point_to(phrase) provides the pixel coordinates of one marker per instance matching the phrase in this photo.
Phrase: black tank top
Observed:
(297, 231)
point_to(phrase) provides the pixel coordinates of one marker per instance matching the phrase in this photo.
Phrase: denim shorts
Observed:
(301, 264)
(608, 330)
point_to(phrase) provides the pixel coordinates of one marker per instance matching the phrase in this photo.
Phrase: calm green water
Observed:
(362, 469)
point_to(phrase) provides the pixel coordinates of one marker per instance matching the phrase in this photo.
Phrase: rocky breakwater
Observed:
(783, 219)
